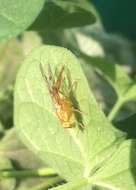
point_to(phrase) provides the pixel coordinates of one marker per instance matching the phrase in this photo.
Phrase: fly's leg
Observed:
(79, 111)
(72, 87)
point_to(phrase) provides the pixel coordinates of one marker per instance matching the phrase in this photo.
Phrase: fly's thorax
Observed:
(64, 109)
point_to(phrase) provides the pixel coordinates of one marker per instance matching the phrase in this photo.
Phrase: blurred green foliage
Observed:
(107, 59)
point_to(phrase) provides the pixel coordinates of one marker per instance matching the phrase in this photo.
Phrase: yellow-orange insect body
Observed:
(62, 104)
(64, 111)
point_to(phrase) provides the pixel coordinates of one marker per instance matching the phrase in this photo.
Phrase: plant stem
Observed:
(115, 109)
(28, 173)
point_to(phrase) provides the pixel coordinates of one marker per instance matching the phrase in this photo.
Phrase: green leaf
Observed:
(72, 152)
(120, 170)
(59, 14)
(16, 16)
(131, 93)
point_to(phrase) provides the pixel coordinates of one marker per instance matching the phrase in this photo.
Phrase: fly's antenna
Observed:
(42, 72)
(61, 73)
(50, 72)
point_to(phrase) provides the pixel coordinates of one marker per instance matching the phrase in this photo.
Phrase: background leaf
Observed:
(115, 75)
(10, 58)
(123, 85)
(16, 16)
(60, 14)
(128, 125)
(12, 148)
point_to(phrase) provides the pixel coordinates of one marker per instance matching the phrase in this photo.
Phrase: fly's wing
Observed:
(45, 78)
(60, 78)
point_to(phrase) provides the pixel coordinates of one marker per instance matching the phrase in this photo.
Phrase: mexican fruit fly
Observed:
(62, 104)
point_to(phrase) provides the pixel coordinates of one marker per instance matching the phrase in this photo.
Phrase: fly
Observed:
(63, 106)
